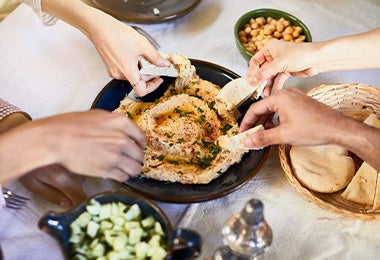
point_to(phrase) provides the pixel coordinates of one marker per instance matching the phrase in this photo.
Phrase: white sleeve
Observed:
(47, 19)
(2, 200)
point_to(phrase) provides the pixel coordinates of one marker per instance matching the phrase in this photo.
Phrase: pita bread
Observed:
(323, 168)
(364, 187)
(376, 200)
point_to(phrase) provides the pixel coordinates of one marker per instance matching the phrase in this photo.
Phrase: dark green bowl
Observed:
(264, 12)
(58, 225)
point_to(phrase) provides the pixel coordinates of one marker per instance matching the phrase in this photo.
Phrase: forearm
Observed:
(360, 51)
(73, 12)
(23, 149)
(361, 139)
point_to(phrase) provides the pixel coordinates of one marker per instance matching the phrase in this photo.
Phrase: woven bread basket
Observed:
(354, 100)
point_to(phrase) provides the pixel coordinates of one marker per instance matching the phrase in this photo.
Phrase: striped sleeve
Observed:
(47, 19)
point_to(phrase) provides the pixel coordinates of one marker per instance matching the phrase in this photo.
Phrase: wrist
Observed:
(23, 148)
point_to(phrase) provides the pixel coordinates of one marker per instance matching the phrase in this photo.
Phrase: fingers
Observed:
(154, 57)
(135, 133)
(264, 138)
(125, 169)
(255, 111)
(279, 81)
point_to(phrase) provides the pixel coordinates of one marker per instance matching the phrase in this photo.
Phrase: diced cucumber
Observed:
(92, 229)
(131, 224)
(83, 219)
(98, 251)
(141, 249)
(120, 242)
(158, 228)
(105, 211)
(105, 225)
(133, 212)
(148, 222)
(93, 208)
(118, 220)
(135, 235)
(116, 231)
(155, 240)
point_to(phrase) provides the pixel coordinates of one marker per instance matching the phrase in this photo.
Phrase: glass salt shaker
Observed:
(247, 235)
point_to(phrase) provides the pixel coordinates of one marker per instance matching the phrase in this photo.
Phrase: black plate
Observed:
(109, 99)
(143, 11)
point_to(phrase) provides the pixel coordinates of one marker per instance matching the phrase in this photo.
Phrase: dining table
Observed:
(50, 70)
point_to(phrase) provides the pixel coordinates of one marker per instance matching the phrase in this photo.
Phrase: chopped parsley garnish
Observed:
(169, 134)
(129, 114)
(225, 128)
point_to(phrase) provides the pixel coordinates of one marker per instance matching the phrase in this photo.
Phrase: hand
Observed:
(120, 47)
(303, 120)
(56, 184)
(118, 44)
(97, 143)
(278, 60)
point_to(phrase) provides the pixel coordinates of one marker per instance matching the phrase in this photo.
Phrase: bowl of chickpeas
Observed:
(255, 28)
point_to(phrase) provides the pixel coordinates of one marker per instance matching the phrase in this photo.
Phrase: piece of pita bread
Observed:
(364, 187)
(323, 168)
(376, 200)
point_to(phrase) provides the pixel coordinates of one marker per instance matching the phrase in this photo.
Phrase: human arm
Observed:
(278, 60)
(94, 143)
(305, 121)
(118, 44)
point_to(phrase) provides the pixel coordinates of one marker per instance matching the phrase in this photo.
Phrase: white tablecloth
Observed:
(50, 70)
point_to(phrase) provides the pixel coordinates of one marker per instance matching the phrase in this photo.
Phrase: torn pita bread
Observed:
(362, 187)
(365, 186)
(376, 200)
(323, 168)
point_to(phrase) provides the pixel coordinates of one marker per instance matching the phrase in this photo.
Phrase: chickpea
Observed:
(255, 32)
(269, 19)
(260, 20)
(277, 34)
(286, 23)
(288, 37)
(260, 46)
(298, 29)
(248, 30)
(279, 27)
(301, 38)
(243, 39)
(288, 30)
(255, 26)
(242, 34)
(296, 34)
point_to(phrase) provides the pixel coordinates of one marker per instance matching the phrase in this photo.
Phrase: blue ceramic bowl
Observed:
(265, 12)
(181, 243)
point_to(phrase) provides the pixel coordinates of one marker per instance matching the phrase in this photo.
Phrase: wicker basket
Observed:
(357, 101)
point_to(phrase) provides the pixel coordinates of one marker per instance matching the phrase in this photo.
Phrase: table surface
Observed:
(51, 70)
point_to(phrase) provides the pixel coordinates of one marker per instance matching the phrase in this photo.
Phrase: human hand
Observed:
(55, 184)
(121, 47)
(278, 60)
(303, 120)
(95, 143)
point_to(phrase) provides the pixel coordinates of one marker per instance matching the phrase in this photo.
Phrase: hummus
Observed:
(187, 138)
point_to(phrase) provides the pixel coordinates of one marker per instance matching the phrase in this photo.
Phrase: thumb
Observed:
(261, 139)
(154, 57)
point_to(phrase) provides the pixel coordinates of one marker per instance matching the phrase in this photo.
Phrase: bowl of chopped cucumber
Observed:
(120, 225)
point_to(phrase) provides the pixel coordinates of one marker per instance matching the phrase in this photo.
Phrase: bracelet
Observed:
(7, 108)
(46, 18)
